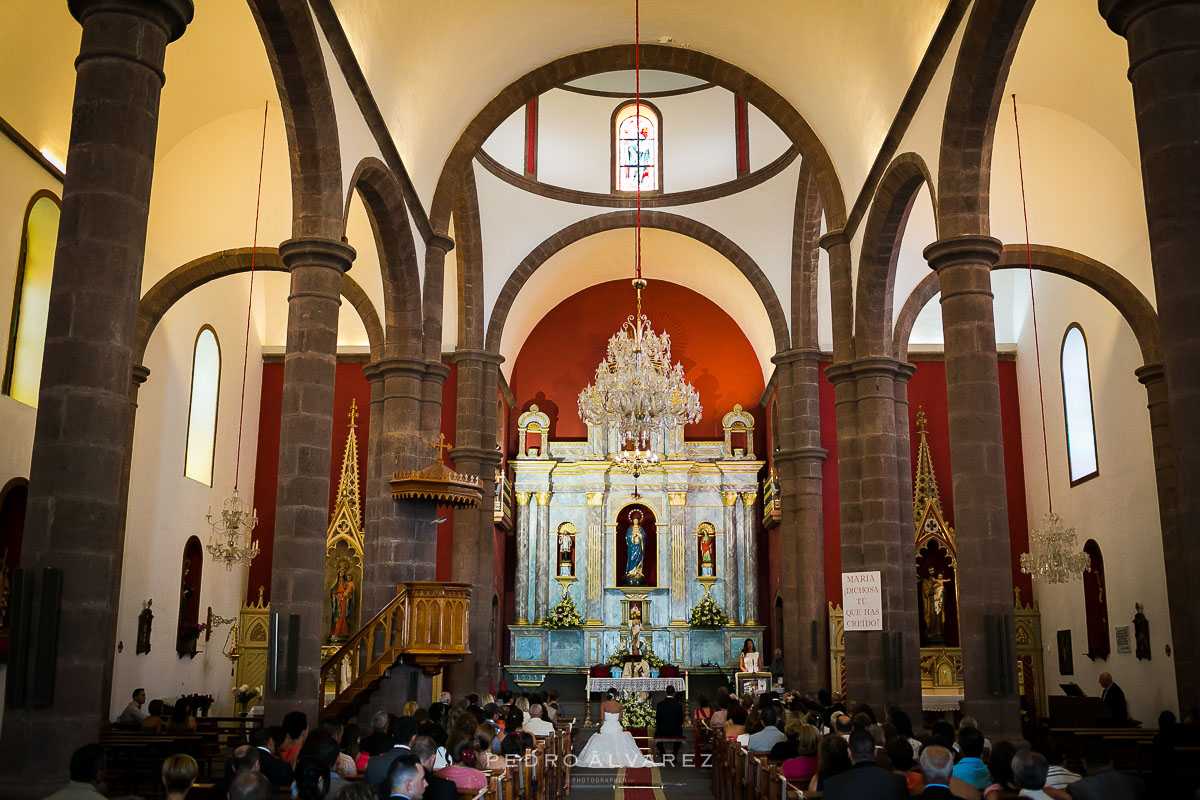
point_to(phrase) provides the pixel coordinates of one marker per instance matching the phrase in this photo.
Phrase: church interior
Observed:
(326, 374)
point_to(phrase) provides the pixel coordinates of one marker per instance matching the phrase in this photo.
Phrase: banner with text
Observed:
(862, 601)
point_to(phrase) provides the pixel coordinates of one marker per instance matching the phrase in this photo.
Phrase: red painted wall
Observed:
(927, 391)
(560, 356)
(350, 385)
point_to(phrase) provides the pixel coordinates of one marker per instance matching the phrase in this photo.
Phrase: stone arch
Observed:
(287, 31)
(1106, 281)
(653, 57)
(194, 274)
(660, 220)
(806, 253)
(384, 201)
(980, 73)
(468, 249)
(894, 199)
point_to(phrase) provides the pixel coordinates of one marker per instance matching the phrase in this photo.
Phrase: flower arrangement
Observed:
(636, 712)
(243, 696)
(198, 702)
(563, 615)
(707, 614)
(618, 658)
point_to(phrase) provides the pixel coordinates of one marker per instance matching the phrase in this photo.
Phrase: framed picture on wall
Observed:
(1066, 658)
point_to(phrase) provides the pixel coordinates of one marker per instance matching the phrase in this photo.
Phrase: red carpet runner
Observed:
(641, 783)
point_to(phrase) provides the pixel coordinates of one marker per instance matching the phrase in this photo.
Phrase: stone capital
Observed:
(796, 354)
(729, 498)
(474, 354)
(595, 498)
(543, 498)
(439, 241)
(840, 373)
(834, 238)
(173, 16)
(1120, 13)
(677, 498)
(437, 370)
(140, 373)
(875, 367)
(476, 455)
(818, 454)
(522, 498)
(1150, 373)
(316, 251)
(749, 498)
(385, 368)
(905, 371)
(968, 248)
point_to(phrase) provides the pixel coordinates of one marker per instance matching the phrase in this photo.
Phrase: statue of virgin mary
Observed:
(635, 539)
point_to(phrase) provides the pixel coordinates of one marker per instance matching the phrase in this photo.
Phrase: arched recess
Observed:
(898, 190)
(1106, 281)
(980, 73)
(1095, 603)
(650, 219)
(384, 202)
(287, 31)
(591, 62)
(194, 274)
(190, 571)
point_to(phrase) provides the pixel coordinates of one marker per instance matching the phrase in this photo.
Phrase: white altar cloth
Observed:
(634, 684)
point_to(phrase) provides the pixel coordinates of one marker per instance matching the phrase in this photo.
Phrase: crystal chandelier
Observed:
(637, 390)
(1053, 552)
(231, 541)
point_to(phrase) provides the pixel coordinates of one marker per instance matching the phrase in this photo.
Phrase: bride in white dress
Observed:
(612, 746)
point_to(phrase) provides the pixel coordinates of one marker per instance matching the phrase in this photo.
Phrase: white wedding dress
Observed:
(612, 747)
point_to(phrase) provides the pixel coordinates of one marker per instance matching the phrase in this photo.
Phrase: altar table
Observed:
(634, 684)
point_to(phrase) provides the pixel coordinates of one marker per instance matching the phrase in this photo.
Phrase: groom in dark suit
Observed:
(668, 722)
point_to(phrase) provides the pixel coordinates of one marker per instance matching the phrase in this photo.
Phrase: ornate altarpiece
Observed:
(573, 506)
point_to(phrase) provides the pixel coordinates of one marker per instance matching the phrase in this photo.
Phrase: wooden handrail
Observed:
(426, 624)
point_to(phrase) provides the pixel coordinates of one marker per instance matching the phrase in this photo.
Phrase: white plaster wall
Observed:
(767, 141)
(165, 508)
(699, 145)
(1118, 508)
(506, 144)
(22, 177)
(205, 191)
(574, 140)
(450, 299)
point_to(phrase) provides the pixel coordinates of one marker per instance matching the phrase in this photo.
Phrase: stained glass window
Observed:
(27, 331)
(1077, 404)
(202, 412)
(637, 148)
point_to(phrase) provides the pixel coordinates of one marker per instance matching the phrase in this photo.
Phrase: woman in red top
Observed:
(700, 718)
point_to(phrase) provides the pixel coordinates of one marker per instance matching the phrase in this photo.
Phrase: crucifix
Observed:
(353, 412)
(441, 447)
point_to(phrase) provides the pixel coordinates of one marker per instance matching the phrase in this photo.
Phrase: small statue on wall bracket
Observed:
(145, 621)
(1141, 634)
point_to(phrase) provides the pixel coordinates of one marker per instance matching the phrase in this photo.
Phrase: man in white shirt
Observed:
(133, 712)
(536, 725)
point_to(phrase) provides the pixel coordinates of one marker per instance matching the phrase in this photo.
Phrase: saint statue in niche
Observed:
(566, 552)
(341, 603)
(145, 621)
(707, 555)
(933, 604)
(635, 539)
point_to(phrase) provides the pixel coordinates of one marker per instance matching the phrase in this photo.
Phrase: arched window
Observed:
(31, 302)
(202, 411)
(1077, 405)
(1095, 603)
(637, 148)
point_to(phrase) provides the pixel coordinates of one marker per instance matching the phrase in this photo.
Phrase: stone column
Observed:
(680, 542)
(305, 438)
(1164, 58)
(400, 538)
(750, 541)
(522, 582)
(542, 557)
(904, 471)
(475, 454)
(431, 407)
(845, 408)
(732, 558)
(798, 464)
(74, 521)
(1181, 587)
(963, 265)
(890, 671)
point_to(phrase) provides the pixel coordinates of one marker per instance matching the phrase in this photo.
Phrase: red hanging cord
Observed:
(250, 300)
(637, 88)
(1033, 305)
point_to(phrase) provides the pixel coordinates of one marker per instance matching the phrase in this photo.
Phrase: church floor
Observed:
(659, 783)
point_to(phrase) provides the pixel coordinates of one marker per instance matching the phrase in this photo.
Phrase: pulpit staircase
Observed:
(425, 625)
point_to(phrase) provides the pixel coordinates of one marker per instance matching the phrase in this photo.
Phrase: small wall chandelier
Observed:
(637, 390)
(1054, 554)
(231, 541)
